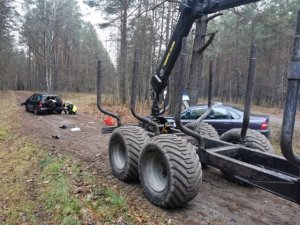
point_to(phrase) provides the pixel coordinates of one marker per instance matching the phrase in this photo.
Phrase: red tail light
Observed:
(264, 125)
(40, 104)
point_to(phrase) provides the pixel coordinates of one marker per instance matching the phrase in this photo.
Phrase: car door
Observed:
(220, 119)
(37, 101)
(236, 119)
(30, 102)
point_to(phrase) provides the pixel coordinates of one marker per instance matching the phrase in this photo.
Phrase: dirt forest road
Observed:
(218, 201)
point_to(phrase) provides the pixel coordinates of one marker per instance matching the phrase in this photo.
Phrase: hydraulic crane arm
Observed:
(190, 10)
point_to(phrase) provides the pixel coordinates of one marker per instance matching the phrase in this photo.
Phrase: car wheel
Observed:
(205, 130)
(170, 171)
(58, 112)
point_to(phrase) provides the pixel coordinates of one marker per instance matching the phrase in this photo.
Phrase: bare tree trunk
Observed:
(123, 53)
(197, 60)
(161, 32)
(168, 24)
(175, 73)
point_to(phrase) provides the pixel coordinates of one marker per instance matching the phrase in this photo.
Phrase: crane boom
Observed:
(190, 10)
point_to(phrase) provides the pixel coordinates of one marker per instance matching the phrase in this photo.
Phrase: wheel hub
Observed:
(156, 172)
(119, 155)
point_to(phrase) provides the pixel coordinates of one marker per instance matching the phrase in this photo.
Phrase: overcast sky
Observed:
(95, 17)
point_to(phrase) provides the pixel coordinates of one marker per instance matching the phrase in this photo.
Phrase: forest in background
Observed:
(55, 49)
(58, 51)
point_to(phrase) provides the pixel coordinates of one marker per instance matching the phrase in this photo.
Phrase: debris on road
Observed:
(75, 129)
(108, 121)
(65, 126)
(55, 137)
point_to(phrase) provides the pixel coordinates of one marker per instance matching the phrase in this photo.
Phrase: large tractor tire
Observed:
(254, 139)
(125, 146)
(170, 171)
(204, 129)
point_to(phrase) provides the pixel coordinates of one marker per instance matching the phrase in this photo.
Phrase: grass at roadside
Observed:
(38, 186)
(275, 139)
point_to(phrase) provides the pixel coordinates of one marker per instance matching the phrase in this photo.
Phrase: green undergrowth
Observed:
(38, 186)
(74, 196)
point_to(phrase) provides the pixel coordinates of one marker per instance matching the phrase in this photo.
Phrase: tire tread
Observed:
(134, 137)
(185, 170)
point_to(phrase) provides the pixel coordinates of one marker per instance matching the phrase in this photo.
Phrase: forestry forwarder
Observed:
(167, 161)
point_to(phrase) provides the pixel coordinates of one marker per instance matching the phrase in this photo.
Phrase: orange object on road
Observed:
(109, 121)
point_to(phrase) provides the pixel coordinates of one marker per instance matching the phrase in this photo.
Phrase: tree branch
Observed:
(110, 22)
(156, 6)
(213, 16)
(205, 46)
